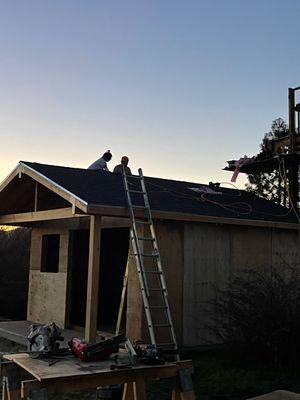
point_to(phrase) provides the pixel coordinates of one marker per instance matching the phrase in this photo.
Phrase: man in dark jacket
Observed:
(119, 168)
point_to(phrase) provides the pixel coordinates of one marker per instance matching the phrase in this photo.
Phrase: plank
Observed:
(170, 215)
(58, 213)
(73, 368)
(93, 279)
(53, 186)
(139, 389)
(128, 392)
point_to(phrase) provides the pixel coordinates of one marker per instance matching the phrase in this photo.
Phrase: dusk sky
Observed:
(178, 86)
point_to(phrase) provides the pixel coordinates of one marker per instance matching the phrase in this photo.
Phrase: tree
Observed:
(271, 186)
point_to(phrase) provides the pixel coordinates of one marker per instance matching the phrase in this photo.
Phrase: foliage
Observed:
(271, 186)
(257, 316)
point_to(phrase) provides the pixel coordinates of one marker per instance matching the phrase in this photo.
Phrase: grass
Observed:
(217, 376)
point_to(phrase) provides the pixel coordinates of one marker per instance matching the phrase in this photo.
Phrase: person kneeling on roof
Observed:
(101, 163)
(119, 168)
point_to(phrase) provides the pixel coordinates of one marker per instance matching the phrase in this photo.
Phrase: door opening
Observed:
(113, 259)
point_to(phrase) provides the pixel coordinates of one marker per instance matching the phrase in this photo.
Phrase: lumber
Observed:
(170, 215)
(93, 279)
(56, 188)
(58, 213)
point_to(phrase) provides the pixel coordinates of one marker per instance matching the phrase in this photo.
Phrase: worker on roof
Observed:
(124, 165)
(101, 163)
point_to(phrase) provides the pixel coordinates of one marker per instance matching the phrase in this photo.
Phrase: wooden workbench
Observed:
(72, 374)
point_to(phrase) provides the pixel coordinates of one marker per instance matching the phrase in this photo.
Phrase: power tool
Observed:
(98, 351)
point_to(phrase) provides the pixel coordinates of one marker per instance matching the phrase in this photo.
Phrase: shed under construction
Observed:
(80, 245)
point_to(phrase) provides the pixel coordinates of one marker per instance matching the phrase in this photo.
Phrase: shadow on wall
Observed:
(14, 272)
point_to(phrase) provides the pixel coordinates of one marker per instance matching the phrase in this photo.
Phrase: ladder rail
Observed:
(139, 257)
(158, 260)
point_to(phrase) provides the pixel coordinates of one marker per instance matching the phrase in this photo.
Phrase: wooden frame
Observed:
(93, 279)
(58, 213)
(16, 384)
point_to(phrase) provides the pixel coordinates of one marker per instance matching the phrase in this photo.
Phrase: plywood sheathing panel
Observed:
(250, 247)
(206, 264)
(134, 311)
(170, 242)
(214, 254)
(47, 297)
(285, 248)
(48, 291)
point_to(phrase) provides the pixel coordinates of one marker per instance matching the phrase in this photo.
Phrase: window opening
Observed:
(50, 253)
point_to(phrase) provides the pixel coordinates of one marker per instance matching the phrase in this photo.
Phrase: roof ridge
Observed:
(146, 176)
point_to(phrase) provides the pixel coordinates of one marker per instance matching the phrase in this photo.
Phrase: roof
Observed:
(102, 188)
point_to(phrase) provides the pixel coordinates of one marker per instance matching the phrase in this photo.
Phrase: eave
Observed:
(22, 168)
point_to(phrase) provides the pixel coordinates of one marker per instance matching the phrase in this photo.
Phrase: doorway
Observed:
(113, 259)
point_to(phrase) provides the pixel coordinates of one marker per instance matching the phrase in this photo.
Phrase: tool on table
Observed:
(98, 351)
(131, 360)
(43, 341)
(148, 354)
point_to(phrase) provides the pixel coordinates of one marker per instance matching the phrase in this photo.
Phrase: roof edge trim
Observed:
(83, 204)
(10, 177)
(169, 215)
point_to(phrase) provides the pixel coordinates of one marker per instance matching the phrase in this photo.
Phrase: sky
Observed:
(178, 86)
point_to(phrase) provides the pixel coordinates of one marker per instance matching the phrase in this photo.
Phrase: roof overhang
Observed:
(22, 168)
(79, 208)
(175, 216)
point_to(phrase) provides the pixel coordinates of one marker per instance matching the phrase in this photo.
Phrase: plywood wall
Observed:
(170, 241)
(47, 295)
(214, 253)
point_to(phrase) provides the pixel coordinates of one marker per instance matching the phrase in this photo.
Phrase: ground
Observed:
(216, 377)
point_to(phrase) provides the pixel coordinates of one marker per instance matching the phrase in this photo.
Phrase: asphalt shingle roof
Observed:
(106, 189)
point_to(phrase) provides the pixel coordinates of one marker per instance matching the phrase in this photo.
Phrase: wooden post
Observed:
(93, 279)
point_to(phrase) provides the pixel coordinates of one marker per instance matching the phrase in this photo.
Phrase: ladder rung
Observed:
(157, 289)
(137, 191)
(143, 221)
(134, 177)
(146, 255)
(153, 272)
(162, 325)
(150, 239)
(139, 207)
(158, 307)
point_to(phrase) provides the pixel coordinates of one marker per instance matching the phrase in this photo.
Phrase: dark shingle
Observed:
(106, 188)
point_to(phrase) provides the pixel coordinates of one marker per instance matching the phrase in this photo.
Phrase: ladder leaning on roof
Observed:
(149, 266)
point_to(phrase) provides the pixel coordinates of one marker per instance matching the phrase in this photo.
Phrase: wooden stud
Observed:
(128, 392)
(176, 394)
(123, 297)
(139, 389)
(93, 279)
(53, 186)
(36, 196)
(12, 382)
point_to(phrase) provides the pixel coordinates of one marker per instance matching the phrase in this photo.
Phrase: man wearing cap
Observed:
(119, 168)
(101, 163)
